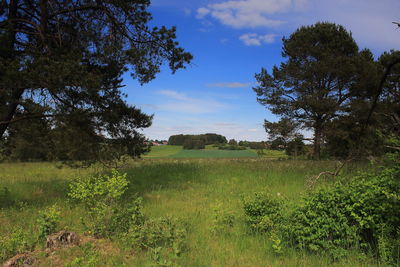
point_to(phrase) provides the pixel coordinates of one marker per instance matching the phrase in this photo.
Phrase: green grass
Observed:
(163, 151)
(169, 151)
(187, 189)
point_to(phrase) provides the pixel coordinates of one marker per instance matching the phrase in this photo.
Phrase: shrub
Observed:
(17, 242)
(343, 216)
(47, 221)
(263, 212)
(100, 195)
(154, 233)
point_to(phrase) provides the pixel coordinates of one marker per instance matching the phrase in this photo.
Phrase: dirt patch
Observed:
(24, 260)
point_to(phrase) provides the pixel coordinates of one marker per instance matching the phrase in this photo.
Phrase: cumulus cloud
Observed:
(249, 13)
(202, 12)
(229, 85)
(254, 39)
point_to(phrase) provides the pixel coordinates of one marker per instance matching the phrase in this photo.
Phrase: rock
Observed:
(62, 239)
(24, 260)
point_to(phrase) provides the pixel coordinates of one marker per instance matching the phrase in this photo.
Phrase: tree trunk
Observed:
(8, 115)
(16, 94)
(317, 141)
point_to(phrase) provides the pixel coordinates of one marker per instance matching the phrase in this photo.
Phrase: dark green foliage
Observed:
(231, 147)
(5, 197)
(193, 144)
(209, 139)
(232, 142)
(72, 71)
(309, 87)
(349, 216)
(258, 145)
(263, 212)
(295, 148)
(278, 144)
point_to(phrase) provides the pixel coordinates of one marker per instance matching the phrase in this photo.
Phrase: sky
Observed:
(231, 40)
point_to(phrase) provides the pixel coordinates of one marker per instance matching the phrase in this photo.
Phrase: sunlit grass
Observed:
(210, 151)
(185, 189)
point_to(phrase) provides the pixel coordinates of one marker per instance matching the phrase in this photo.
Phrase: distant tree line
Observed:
(208, 139)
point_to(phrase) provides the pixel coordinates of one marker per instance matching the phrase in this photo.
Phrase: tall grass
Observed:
(185, 189)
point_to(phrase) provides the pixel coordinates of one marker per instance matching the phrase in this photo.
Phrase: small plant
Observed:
(276, 244)
(48, 221)
(90, 258)
(17, 242)
(153, 233)
(5, 197)
(222, 219)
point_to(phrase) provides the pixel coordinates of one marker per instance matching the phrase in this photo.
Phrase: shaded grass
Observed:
(186, 189)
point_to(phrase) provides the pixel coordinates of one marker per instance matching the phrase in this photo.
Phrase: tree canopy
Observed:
(314, 84)
(68, 57)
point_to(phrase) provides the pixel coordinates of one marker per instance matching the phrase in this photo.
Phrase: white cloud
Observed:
(254, 39)
(249, 13)
(173, 94)
(368, 20)
(202, 12)
(181, 103)
(229, 85)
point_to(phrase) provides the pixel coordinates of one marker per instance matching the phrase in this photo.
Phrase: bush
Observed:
(263, 212)
(353, 215)
(48, 221)
(154, 233)
(100, 195)
(17, 242)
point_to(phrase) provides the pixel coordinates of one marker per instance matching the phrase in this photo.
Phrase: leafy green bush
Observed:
(100, 195)
(47, 221)
(263, 212)
(17, 242)
(349, 215)
(154, 233)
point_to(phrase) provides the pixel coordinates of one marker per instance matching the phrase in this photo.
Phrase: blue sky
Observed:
(231, 40)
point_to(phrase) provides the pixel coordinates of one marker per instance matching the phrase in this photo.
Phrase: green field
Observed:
(168, 151)
(188, 190)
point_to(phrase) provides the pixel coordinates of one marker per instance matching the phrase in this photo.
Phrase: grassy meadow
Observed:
(169, 151)
(187, 189)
